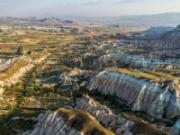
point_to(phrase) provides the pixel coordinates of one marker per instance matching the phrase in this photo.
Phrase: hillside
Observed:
(36, 21)
(173, 36)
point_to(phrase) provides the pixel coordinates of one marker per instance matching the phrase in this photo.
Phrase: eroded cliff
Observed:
(139, 94)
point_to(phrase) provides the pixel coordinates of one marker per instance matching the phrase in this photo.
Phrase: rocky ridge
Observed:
(68, 121)
(14, 78)
(140, 95)
(125, 60)
(105, 116)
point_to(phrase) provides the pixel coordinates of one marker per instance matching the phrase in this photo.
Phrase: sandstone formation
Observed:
(105, 116)
(125, 60)
(140, 95)
(68, 122)
(20, 72)
(5, 64)
(68, 78)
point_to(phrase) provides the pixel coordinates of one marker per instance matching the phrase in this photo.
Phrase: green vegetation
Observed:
(40, 88)
(137, 73)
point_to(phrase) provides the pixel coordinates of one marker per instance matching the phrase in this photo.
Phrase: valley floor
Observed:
(68, 84)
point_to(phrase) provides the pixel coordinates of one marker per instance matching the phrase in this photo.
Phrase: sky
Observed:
(86, 8)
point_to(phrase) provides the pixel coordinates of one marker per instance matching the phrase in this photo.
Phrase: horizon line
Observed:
(83, 16)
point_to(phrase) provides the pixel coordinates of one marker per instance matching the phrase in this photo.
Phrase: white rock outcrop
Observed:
(104, 115)
(138, 94)
(121, 59)
(51, 123)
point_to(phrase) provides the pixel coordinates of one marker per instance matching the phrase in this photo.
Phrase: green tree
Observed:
(19, 50)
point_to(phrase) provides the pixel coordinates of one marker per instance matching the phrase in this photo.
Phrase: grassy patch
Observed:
(89, 122)
(142, 126)
(13, 69)
(36, 56)
(137, 73)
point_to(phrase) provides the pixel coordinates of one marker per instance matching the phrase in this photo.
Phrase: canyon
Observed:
(72, 78)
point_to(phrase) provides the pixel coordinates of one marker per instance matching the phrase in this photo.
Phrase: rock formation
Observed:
(5, 64)
(176, 128)
(139, 95)
(67, 78)
(14, 78)
(125, 60)
(68, 122)
(104, 115)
